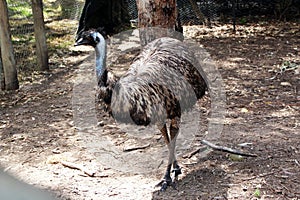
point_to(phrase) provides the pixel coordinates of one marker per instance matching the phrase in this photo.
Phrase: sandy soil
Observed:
(46, 126)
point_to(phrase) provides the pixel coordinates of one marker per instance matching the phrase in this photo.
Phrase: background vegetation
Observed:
(61, 22)
(62, 16)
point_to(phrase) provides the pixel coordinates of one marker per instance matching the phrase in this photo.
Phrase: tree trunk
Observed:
(2, 85)
(198, 12)
(40, 35)
(161, 14)
(7, 53)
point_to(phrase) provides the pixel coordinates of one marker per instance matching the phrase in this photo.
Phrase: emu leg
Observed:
(170, 139)
(167, 180)
(174, 130)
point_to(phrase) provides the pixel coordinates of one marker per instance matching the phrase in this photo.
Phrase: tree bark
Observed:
(7, 54)
(40, 35)
(161, 14)
(158, 13)
(198, 12)
(2, 85)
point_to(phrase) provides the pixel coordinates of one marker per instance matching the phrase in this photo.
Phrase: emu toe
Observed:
(164, 184)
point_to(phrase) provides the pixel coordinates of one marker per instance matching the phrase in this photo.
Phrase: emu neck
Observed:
(100, 50)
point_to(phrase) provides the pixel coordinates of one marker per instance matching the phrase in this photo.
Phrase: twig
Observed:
(189, 155)
(127, 149)
(79, 167)
(296, 161)
(226, 149)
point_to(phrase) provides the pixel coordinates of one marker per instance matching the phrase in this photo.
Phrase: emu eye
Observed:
(95, 37)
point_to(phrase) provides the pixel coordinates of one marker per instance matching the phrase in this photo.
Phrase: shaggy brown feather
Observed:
(163, 81)
(160, 83)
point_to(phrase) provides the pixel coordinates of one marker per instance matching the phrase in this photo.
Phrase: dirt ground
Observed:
(45, 131)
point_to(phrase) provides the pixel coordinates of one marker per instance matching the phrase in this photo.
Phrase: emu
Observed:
(159, 85)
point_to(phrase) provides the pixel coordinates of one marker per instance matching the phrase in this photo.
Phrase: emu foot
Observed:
(167, 180)
(177, 171)
(165, 183)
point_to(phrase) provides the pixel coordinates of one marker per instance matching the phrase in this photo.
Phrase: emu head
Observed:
(90, 38)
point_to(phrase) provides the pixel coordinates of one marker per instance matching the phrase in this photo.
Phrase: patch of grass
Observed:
(62, 34)
(256, 193)
(288, 66)
(23, 39)
(19, 9)
(59, 32)
(243, 21)
(61, 43)
(52, 10)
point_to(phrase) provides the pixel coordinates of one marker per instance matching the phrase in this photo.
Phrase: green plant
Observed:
(243, 20)
(19, 9)
(256, 193)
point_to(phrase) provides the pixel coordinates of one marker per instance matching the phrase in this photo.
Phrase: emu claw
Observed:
(163, 184)
(167, 180)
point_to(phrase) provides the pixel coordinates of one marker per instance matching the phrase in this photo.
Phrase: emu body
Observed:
(160, 84)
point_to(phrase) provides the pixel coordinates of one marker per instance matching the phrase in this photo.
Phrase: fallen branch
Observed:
(79, 167)
(226, 149)
(127, 149)
(189, 155)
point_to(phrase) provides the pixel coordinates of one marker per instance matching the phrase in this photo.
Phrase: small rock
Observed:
(244, 110)
(236, 158)
(56, 151)
(285, 84)
(101, 123)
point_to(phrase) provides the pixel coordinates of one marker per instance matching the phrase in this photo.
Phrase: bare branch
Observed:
(127, 149)
(226, 149)
(79, 167)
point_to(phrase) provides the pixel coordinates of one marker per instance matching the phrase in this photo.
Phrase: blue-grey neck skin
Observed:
(100, 50)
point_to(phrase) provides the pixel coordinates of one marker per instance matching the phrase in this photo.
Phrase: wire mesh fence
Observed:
(61, 18)
(224, 11)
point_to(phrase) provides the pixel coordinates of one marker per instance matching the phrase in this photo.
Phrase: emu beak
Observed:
(82, 41)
